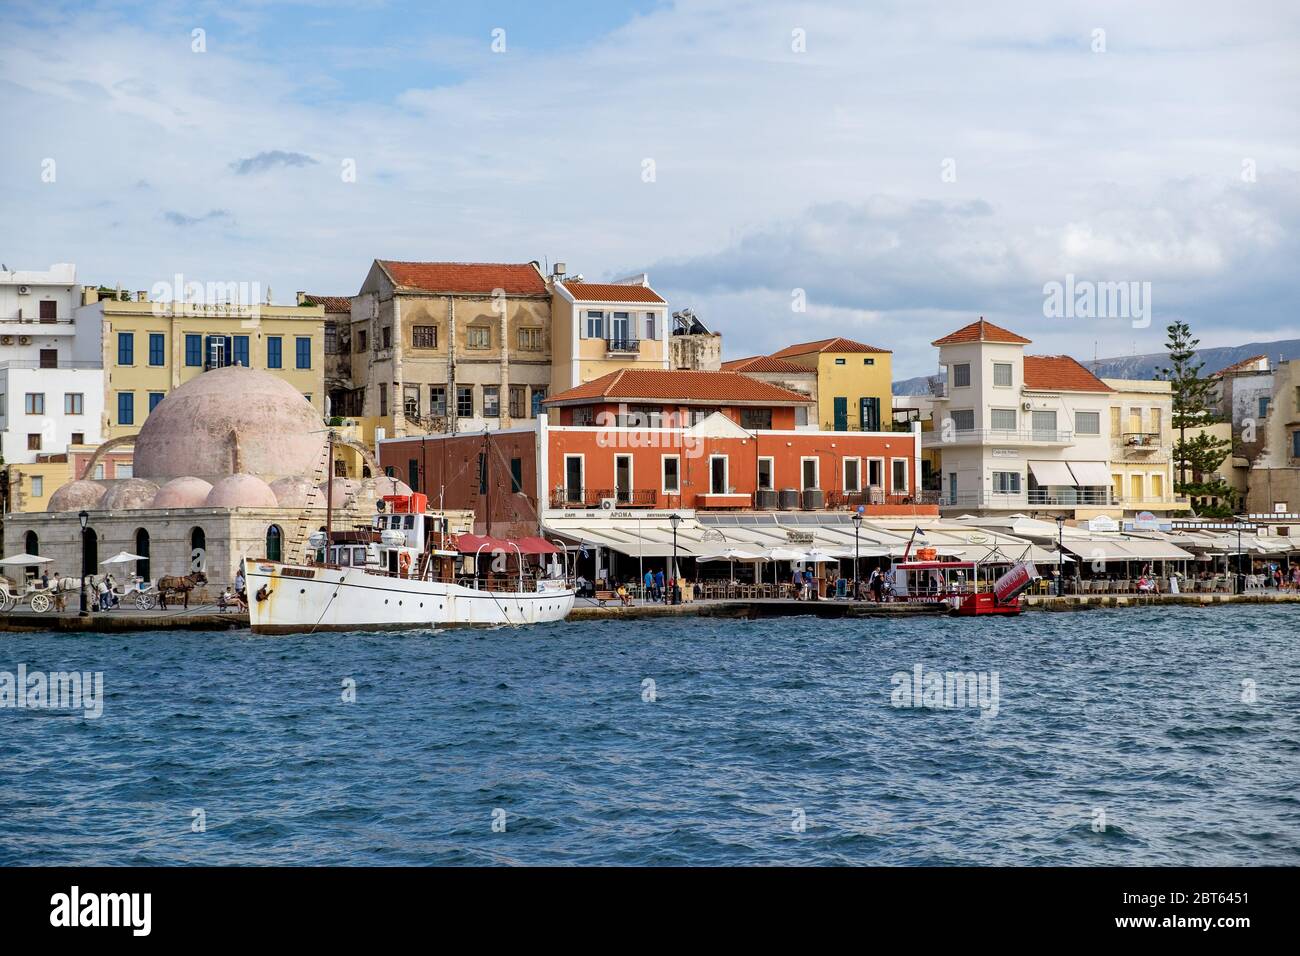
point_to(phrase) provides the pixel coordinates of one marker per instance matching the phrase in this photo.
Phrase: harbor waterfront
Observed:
(1154, 735)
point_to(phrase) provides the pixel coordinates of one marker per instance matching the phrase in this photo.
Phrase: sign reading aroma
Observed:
(1103, 523)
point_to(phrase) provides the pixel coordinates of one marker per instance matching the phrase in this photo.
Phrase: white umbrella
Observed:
(733, 555)
(25, 559)
(817, 556)
(122, 557)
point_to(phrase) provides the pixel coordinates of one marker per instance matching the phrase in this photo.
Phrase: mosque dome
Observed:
(229, 421)
(297, 491)
(241, 491)
(344, 490)
(187, 492)
(80, 495)
(129, 494)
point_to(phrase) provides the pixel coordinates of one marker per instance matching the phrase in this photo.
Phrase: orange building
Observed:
(634, 443)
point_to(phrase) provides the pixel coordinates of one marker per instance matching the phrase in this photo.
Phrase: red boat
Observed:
(990, 586)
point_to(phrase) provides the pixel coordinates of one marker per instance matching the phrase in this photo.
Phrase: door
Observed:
(952, 487)
(1044, 425)
(841, 413)
(623, 478)
(49, 310)
(869, 414)
(49, 358)
(718, 475)
(573, 479)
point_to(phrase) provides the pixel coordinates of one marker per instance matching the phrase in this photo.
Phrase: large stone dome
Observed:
(229, 421)
(241, 491)
(187, 492)
(80, 495)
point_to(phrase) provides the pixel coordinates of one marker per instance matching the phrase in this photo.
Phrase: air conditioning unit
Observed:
(608, 504)
(6, 340)
(24, 340)
(23, 290)
(1027, 406)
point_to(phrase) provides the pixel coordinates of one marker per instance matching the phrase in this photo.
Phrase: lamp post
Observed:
(857, 526)
(84, 518)
(675, 519)
(1060, 555)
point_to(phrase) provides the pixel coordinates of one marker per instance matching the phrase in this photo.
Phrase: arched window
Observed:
(142, 549)
(274, 538)
(198, 550)
(32, 545)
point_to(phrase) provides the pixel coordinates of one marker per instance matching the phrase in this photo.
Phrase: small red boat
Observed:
(990, 586)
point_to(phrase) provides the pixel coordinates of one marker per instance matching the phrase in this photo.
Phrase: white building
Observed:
(51, 380)
(1041, 434)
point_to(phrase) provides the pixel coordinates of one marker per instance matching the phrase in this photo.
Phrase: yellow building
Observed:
(1142, 445)
(28, 485)
(854, 383)
(603, 327)
(150, 348)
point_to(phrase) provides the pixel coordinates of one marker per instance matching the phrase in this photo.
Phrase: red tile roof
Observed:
(473, 278)
(687, 387)
(765, 363)
(612, 292)
(981, 331)
(1239, 366)
(836, 344)
(1060, 373)
(332, 303)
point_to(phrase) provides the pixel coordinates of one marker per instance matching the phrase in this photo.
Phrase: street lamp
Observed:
(1241, 577)
(674, 520)
(84, 518)
(1060, 555)
(857, 526)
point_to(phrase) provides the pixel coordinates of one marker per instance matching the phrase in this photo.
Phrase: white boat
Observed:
(401, 574)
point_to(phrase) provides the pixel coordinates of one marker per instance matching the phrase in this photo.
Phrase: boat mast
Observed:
(329, 494)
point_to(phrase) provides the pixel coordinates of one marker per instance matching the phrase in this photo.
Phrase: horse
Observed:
(183, 584)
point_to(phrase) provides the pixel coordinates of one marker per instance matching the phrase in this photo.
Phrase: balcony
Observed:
(1052, 497)
(728, 499)
(622, 346)
(593, 497)
(1141, 443)
(942, 438)
(840, 500)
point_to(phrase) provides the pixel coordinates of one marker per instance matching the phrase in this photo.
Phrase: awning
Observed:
(1126, 550)
(1090, 473)
(471, 543)
(535, 545)
(1052, 473)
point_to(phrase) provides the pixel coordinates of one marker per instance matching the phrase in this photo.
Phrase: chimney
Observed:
(302, 298)
(142, 296)
(559, 269)
(89, 295)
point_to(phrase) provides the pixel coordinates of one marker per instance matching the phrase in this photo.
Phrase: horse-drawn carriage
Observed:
(103, 593)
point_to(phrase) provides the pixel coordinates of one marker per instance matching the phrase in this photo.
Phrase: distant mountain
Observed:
(1147, 366)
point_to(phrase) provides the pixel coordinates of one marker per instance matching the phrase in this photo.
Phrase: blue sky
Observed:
(908, 166)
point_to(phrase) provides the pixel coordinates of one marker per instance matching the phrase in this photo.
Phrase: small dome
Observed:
(241, 491)
(297, 491)
(344, 490)
(129, 494)
(188, 492)
(81, 495)
(372, 489)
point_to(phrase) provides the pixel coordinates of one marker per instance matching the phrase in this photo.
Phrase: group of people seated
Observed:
(236, 598)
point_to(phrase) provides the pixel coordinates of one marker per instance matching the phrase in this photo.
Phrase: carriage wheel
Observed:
(7, 602)
(41, 603)
(144, 601)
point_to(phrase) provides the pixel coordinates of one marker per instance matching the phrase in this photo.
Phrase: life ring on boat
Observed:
(404, 563)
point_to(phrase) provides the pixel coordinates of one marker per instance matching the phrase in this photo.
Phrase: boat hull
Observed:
(301, 598)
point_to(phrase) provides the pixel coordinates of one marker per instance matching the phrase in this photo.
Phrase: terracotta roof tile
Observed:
(332, 303)
(981, 331)
(764, 363)
(1060, 373)
(836, 344)
(713, 388)
(473, 278)
(1239, 366)
(612, 292)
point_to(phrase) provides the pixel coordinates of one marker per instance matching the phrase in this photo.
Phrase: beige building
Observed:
(1274, 482)
(784, 373)
(1142, 445)
(450, 346)
(603, 327)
